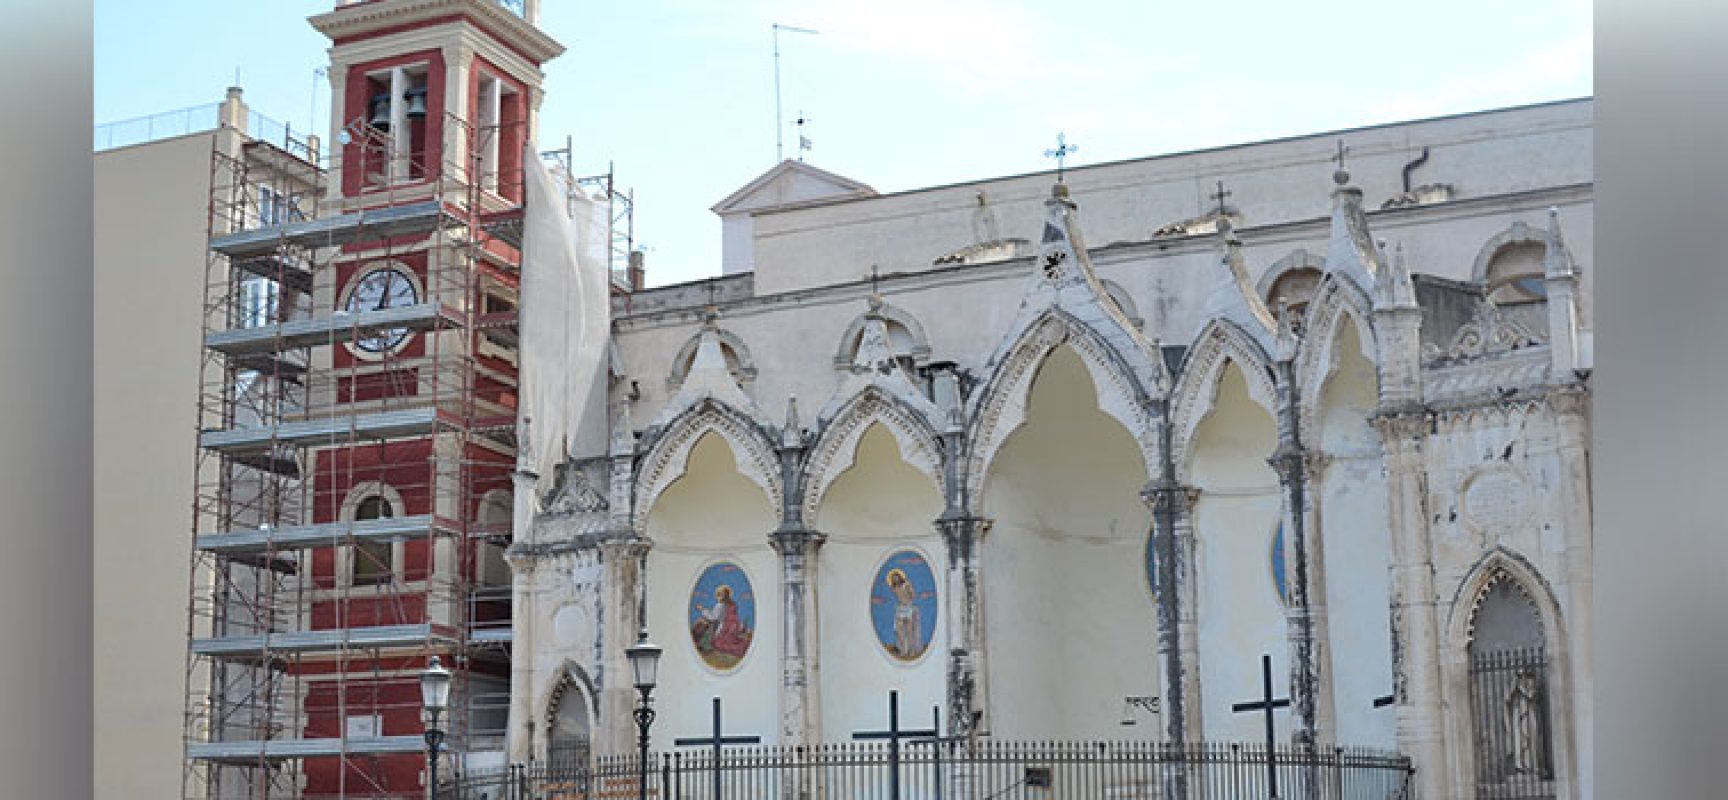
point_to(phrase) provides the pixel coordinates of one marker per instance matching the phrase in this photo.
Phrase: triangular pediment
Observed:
(790, 184)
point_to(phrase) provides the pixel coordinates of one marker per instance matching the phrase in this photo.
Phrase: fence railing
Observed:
(989, 771)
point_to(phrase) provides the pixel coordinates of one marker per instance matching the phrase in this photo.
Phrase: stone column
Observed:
(621, 618)
(963, 534)
(800, 702)
(1311, 700)
(1172, 507)
(519, 733)
(1571, 410)
(1415, 625)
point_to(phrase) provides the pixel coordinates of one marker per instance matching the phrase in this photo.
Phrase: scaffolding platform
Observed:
(251, 648)
(328, 431)
(246, 752)
(279, 269)
(356, 226)
(331, 534)
(334, 329)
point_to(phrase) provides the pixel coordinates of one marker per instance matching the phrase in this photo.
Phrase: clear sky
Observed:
(679, 94)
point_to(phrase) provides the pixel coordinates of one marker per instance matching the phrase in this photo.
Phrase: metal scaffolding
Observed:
(353, 468)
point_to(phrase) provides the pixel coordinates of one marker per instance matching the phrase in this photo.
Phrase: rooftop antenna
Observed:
(779, 125)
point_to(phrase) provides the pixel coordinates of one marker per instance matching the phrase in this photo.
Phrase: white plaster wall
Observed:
(877, 507)
(1070, 623)
(712, 512)
(737, 242)
(1357, 548)
(1235, 519)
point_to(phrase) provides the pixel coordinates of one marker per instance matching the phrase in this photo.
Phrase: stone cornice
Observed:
(361, 19)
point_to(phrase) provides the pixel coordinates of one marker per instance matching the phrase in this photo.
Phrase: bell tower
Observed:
(355, 474)
(430, 89)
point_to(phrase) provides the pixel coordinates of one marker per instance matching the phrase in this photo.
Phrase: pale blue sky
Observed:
(900, 93)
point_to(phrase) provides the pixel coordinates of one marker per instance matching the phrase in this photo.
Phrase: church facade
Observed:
(1036, 449)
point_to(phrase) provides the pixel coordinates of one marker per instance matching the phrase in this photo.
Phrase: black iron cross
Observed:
(894, 734)
(1063, 148)
(713, 291)
(1341, 151)
(717, 741)
(1266, 704)
(874, 278)
(1219, 196)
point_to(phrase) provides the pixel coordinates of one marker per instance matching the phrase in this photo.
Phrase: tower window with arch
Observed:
(1509, 694)
(374, 562)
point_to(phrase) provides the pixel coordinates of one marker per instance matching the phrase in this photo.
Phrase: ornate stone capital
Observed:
(633, 548)
(1161, 496)
(962, 533)
(1394, 425)
(796, 541)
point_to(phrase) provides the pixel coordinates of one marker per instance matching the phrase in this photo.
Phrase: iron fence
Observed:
(1509, 695)
(989, 771)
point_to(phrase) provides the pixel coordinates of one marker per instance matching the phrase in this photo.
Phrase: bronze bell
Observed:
(416, 98)
(380, 111)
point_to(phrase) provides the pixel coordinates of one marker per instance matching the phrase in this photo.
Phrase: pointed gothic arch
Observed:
(999, 407)
(1491, 718)
(668, 454)
(836, 447)
(1220, 343)
(1337, 302)
(570, 709)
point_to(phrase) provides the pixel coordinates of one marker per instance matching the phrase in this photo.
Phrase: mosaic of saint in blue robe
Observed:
(722, 615)
(903, 605)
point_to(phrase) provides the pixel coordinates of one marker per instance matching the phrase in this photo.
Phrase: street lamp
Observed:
(644, 663)
(434, 698)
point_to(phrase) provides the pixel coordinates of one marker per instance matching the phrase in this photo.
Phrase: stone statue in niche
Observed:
(903, 605)
(723, 627)
(1524, 725)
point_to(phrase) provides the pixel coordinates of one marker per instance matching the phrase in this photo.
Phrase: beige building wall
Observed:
(150, 236)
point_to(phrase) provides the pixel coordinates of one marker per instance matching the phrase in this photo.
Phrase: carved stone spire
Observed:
(1232, 296)
(1393, 287)
(1555, 262)
(791, 433)
(1351, 248)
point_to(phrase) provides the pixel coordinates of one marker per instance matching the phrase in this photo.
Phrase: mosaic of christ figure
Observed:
(722, 615)
(903, 605)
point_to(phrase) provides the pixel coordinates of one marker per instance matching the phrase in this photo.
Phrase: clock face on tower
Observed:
(376, 290)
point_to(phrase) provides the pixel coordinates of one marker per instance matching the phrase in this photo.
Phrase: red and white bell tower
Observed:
(358, 436)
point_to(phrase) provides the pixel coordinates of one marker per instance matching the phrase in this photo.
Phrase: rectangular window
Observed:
(260, 302)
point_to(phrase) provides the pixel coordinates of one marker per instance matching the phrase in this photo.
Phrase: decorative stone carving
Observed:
(1495, 498)
(1490, 332)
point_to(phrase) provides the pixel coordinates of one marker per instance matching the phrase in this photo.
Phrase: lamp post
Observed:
(434, 698)
(644, 663)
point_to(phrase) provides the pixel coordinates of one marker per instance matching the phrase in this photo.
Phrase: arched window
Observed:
(374, 561)
(1509, 694)
(1515, 274)
(568, 733)
(1295, 287)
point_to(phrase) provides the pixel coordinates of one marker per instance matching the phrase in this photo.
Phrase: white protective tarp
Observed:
(565, 318)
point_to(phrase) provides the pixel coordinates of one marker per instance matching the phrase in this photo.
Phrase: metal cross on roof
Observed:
(1060, 153)
(1219, 196)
